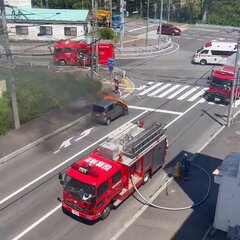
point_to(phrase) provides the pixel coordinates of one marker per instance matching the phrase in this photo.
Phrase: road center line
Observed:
(58, 206)
(64, 162)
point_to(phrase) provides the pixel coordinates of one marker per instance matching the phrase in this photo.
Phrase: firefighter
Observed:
(116, 85)
(186, 166)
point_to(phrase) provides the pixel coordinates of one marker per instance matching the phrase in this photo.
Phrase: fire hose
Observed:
(147, 202)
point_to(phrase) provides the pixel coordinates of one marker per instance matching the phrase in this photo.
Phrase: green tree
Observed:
(106, 33)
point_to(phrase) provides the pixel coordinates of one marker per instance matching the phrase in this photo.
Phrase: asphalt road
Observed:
(28, 194)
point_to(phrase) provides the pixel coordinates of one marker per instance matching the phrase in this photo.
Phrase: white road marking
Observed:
(188, 93)
(178, 92)
(67, 142)
(136, 29)
(84, 134)
(62, 163)
(174, 120)
(198, 94)
(169, 91)
(150, 83)
(150, 89)
(155, 110)
(64, 144)
(159, 89)
(202, 100)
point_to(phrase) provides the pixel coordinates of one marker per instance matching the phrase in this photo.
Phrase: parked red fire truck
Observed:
(220, 84)
(101, 180)
(75, 53)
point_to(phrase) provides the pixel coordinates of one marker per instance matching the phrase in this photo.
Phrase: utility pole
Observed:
(122, 24)
(146, 42)
(168, 16)
(160, 24)
(47, 4)
(155, 12)
(96, 40)
(141, 8)
(235, 80)
(10, 82)
(93, 38)
(110, 6)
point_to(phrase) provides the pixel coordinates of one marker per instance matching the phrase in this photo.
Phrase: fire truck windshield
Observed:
(80, 190)
(221, 83)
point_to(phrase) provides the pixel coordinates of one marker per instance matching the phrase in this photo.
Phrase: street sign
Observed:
(110, 64)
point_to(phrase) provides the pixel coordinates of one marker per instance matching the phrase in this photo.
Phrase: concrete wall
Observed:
(33, 30)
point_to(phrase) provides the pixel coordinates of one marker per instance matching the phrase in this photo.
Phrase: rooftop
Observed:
(43, 14)
(230, 166)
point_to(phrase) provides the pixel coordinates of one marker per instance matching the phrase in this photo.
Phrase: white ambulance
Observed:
(214, 52)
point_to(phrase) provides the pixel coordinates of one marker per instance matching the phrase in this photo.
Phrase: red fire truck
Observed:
(75, 53)
(220, 84)
(101, 180)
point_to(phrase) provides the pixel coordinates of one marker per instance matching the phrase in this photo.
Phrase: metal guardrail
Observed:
(215, 26)
(165, 42)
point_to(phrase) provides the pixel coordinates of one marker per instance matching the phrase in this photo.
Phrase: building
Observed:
(19, 3)
(47, 24)
(227, 215)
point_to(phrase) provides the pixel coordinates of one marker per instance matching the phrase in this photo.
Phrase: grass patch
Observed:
(41, 90)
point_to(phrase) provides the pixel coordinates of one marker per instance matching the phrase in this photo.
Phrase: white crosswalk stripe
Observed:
(159, 90)
(169, 91)
(198, 94)
(150, 89)
(177, 92)
(188, 93)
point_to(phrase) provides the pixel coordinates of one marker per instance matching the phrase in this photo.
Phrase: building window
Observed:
(70, 31)
(46, 31)
(22, 30)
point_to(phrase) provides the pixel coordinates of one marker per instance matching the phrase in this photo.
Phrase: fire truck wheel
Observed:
(203, 62)
(146, 177)
(108, 121)
(62, 63)
(106, 212)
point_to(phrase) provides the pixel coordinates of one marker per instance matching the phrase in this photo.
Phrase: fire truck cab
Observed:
(106, 177)
(220, 85)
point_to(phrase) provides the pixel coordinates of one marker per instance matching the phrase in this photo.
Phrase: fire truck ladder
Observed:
(144, 140)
